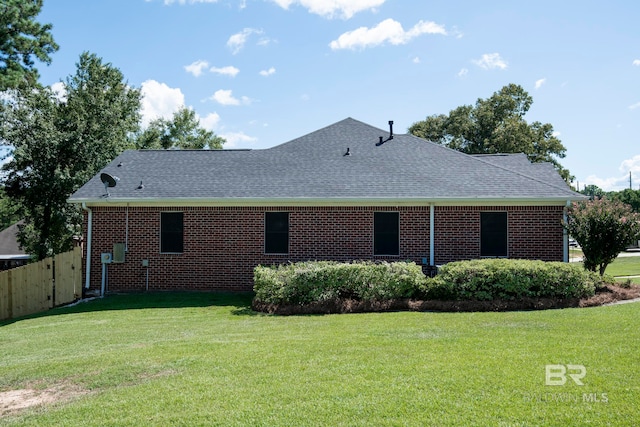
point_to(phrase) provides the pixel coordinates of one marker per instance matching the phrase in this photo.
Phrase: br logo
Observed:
(557, 374)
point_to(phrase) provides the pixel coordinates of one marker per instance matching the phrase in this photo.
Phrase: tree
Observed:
(21, 39)
(182, 131)
(593, 191)
(603, 228)
(628, 196)
(99, 118)
(58, 144)
(8, 211)
(495, 125)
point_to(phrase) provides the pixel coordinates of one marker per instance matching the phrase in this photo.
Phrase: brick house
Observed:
(202, 219)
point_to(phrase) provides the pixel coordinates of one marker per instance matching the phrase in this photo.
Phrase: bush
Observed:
(508, 279)
(319, 281)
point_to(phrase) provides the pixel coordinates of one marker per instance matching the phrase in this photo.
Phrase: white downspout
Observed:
(431, 236)
(565, 234)
(89, 230)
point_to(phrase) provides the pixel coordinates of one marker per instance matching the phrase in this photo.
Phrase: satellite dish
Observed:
(108, 181)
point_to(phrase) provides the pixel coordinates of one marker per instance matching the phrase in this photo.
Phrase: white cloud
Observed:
(159, 100)
(225, 97)
(636, 62)
(196, 67)
(264, 41)
(631, 165)
(386, 31)
(210, 121)
(540, 82)
(634, 106)
(332, 8)
(607, 184)
(60, 91)
(234, 138)
(556, 134)
(621, 182)
(237, 41)
(416, 60)
(463, 73)
(268, 72)
(490, 61)
(229, 70)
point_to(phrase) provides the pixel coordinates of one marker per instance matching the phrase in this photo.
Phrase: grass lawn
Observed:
(624, 266)
(206, 359)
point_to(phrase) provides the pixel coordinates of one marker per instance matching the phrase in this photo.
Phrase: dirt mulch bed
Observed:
(608, 295)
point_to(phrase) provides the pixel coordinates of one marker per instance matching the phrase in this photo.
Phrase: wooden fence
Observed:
(41, 285)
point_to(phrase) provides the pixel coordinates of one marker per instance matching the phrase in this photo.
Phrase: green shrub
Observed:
(509, 279)
(318, 281)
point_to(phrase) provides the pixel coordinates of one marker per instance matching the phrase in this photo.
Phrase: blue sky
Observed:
(262, 72)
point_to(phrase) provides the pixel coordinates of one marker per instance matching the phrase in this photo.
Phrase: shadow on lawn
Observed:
(241, 303)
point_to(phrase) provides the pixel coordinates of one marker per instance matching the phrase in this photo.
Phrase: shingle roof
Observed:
(314, 167)
(9, 246)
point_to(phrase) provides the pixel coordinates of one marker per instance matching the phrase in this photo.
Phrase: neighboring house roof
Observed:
(314, 169)
(9, 246)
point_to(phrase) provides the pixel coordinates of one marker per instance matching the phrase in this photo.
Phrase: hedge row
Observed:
(508, 279)
(478, 280)
(319, 281)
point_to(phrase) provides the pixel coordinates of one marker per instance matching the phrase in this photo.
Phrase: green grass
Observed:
(624, 266)
(206, 359)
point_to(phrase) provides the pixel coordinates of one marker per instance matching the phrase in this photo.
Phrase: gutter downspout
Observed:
(565, 234)
(89, 232)
(431, 236)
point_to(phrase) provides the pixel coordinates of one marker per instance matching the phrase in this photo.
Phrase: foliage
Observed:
(495, 125)
(628, 196)
(182, 131)
(593, 191)
(8, 211)
(509, 279)
(603, 228)
(21, 39)
(99, 117)
(318, 281)
(58, 144)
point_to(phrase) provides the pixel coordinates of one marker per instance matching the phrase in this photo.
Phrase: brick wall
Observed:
(223, 244)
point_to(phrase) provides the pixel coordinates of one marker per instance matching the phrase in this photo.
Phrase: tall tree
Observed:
(495, 125)
(22, 39)
(99, 117)
(58, 144)
(182, 131)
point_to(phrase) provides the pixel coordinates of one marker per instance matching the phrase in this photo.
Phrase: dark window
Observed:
(386, 233)
(493, 234)
(276, 232)
(171, 230)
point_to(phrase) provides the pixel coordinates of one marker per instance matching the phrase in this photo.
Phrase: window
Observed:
(276, 232)
(386, 233)
(171, 231)
(493, 234)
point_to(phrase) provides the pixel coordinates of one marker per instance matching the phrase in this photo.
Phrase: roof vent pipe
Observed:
(389, 138)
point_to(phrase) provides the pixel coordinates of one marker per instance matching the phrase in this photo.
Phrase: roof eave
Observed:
(303, 201)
